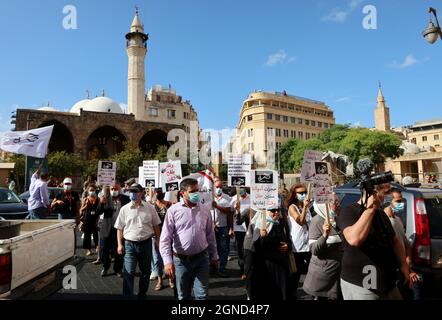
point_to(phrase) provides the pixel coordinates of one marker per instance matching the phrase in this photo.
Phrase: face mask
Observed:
(398, 207)
(332, 215)
(134, 197)
(67, 187)
(219, 192)
(114, 193)
(301, 197)
(160, 196)
(194, 197)
(91, 194)
(242, 193)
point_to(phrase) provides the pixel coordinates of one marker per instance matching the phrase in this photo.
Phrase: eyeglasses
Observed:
(302, 193)
(274, 211)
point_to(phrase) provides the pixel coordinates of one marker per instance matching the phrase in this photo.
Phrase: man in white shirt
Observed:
(240, 229)
(38, 201)
(221, 216)
(137, 223)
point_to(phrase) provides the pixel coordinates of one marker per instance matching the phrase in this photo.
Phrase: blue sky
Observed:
(215, 52)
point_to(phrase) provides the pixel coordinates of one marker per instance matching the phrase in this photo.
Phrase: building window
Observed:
(269, 116)
(319, 124)
(250, 133)
(286, 119)
(326, 125)
(270, 145)
(249, 118)
(291, 107)
(185, 115)
(278, 145)
(313, 135)
(278, 132)
(313, 123)
(436, 137)
(413, 140)
(171, 114)
(331, 125)
(250, 147)
(307, 135)
(293, 134)
(153, 112)
(300, 135)
(158, 99)
(102, 141)
(292, 120)
(307, 122)
(269, 132)
(286, 133)
(424, 139)
(299, 121)
(277, 117)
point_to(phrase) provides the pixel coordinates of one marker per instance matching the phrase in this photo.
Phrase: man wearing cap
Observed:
(127, 185)
(137, 223)
(67, 203)
(187, 241)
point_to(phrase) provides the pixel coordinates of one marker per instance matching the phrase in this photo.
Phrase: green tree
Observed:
(128, 161)
(286, 151)
(62, 164)
(19, 170)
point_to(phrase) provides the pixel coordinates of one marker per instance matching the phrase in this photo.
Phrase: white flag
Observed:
(32, 143)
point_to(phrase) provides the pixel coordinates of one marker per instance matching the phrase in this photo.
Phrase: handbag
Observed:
(292, 263)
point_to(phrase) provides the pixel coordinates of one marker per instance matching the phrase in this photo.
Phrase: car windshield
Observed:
(434, 210)
(7, 196)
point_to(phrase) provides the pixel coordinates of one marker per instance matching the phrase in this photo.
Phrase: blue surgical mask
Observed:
(333, 215)
(134, 197)
(301, 197)
(194, 197)
(242, 193)
(398, 207)
(219, 192)
(91, 194)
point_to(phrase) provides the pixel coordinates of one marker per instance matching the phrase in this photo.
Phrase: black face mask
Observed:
(161, 196)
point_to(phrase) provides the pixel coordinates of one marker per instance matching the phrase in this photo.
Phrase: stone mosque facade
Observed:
(98, 128)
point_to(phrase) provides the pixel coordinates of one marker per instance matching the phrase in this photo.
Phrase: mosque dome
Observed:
(99, 104)
(79, 105)
(410, 148)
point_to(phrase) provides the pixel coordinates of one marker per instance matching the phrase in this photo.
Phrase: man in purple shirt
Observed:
(187, 241)
(38, 195)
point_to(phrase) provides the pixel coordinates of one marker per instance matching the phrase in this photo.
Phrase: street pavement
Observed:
(91, 286)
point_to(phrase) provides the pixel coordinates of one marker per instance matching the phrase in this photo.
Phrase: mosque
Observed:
(98, 128)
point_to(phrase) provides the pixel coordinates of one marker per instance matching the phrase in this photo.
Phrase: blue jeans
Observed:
(141, 254)
(193, 273)
(39, 213)
(222, 245)
(157, 264)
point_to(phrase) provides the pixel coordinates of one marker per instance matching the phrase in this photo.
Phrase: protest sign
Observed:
(308, 169)
(107, 172)
(149, 174)
(322, 183)
(264, 189)
(170, 175)
(238, 170)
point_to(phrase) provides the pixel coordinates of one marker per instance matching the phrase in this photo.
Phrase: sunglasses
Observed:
(302, 193)
(274, 211)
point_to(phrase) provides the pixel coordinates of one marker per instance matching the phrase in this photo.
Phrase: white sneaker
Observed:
(153, 277)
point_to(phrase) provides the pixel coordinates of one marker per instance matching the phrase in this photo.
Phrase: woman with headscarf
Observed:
(89, 219)
(270, 274)
(322, 280)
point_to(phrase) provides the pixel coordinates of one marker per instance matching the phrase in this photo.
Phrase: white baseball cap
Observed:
(67, 180)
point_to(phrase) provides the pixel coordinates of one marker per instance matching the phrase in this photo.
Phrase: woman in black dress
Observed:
(89, 219)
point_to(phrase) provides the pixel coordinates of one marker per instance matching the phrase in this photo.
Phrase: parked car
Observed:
(11, 206)
(52, 191)
(423, 228)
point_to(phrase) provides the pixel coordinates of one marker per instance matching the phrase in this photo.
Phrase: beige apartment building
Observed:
(267, 120)
(426, 134)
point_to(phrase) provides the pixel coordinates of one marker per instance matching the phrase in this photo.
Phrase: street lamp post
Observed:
(432, 32)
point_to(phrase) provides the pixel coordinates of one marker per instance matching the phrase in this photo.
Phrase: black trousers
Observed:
(90, 229)
(302, 260)
(239, 238)
(110, 246)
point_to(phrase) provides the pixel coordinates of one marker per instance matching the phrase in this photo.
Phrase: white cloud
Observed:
(340, 15)
(343, 99)
(409, 61)
(279, 57)
(357, 125)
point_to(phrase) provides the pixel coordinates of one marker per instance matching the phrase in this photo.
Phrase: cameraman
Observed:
(372, 251)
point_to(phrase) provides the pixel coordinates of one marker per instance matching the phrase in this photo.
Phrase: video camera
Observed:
(368, 182)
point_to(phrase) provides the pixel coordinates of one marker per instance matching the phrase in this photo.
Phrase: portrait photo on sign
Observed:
(264, 177)
(321, 168)
(239, 181)
(150, 183)
(107, 165)
(170, 187)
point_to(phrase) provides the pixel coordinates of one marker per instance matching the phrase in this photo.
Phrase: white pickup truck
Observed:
(33, 255)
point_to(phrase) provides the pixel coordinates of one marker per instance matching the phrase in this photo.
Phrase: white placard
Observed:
(264, 189)
(322, 183)
(238, 170)
(140, 177)
(107, 173)
(150, 174)
(170, 175)
(308, 169)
